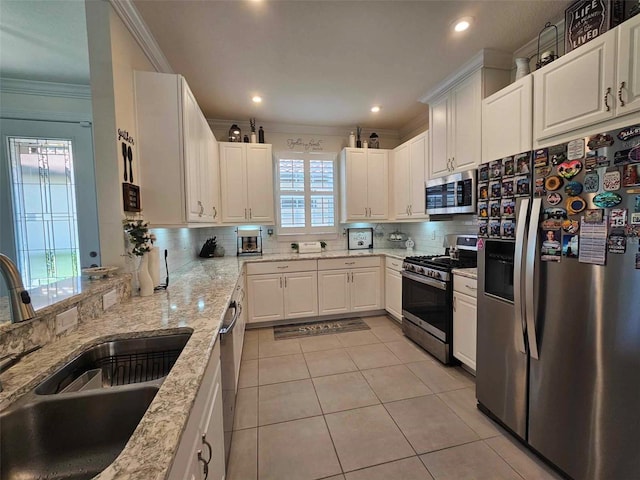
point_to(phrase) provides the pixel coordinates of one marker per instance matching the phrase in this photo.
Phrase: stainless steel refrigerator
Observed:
(558, 354)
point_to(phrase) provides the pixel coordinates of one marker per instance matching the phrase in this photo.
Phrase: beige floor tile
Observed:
(521, 460)
(266, 334)
(473, 461)
(407, 351)
(243, 459)
(395, 383)
(387, 334)
(248, 374)
(463, 403)
(372, 356)
(407, 469)
(319, 342)
(246, 415)
(297, 450)
(363, 337)
(380, 321)
(251, 334)
(429, 424)
(250, 350)
(438, 377)
(335, 477)
(365, 437)
(282, 369)
(329, 362)
(344, 391)
(463, 376)
(278, 348)
(281, 402)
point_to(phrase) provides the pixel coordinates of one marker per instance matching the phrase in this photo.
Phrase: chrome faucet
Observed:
(21, 308)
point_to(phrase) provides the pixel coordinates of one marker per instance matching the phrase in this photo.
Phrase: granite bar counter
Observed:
(196, 301)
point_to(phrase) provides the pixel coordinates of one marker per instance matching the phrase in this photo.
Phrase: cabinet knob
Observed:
(606, 99)
(622, 84)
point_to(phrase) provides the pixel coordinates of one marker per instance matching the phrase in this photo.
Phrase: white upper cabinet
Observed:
(507, 120)
(246, 174)
(408, 167)
(439, 132)
(178, 166)
(365, 186)
(592, 84)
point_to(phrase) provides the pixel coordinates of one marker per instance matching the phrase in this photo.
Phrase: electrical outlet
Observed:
(109, 299)
(66, 320)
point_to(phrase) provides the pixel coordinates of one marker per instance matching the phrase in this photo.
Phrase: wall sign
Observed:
(124, 135)
(311, 145)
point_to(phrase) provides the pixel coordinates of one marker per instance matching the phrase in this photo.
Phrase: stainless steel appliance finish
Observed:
(572, 396)
(20, 301)
(427, 298)
(231, 342)
(455, 193)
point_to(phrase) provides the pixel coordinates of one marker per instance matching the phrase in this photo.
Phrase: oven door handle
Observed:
(424, 280)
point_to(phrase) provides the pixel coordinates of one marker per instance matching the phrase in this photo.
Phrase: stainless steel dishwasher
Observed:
(231, 342)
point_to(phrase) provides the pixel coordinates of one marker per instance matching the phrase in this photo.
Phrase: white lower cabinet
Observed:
(278, 296)
(465, 320)
(349, 285)
(393, 288)
(200, 454)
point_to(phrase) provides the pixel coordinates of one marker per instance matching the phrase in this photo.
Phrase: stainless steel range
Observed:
(427, 296)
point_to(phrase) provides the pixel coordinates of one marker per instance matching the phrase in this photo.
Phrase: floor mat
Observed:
(311, 329)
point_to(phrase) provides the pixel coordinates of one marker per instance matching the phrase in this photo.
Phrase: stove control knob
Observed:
(419, 270)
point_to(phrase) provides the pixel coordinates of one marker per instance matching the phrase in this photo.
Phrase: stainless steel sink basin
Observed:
(118, 362)
(70, 436)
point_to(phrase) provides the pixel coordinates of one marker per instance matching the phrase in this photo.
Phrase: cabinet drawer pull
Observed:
(250, 214)
(454, 303)
(283, 266)
(349, 263)
(215, 212)
(622, 84)
(471, 288)
(606, 99)
(201, 208)
(208, 445)
(280, 282)
(205, 465)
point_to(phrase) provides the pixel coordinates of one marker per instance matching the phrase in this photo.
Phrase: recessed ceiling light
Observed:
(462, 24)
(375, 108)
(257, 99)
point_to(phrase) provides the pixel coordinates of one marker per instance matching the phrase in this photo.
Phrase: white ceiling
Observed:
(327, 62)
(44, 40)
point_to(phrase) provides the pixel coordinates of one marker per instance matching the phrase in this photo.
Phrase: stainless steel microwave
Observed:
(455, 193)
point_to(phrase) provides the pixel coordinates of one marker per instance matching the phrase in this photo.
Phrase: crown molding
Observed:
(141, 33)
(49, 89)
(485, 58)
(287, 128)
(415, 126)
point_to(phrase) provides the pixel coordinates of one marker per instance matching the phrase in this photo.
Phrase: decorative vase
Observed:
(260, 135)
(253, 137)
(522, 67)
(352, 140)
(144, 279)
(154, 266)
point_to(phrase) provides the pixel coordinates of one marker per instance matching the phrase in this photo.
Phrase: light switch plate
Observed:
(66, 320)
(109, 299)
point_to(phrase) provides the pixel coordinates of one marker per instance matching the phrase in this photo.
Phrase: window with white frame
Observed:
(306, 193)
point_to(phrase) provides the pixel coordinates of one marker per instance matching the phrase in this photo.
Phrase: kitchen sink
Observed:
(118, 362)
(70, 436)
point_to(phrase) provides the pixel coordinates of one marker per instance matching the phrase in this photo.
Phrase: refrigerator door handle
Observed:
(532, 246)
(521, 232)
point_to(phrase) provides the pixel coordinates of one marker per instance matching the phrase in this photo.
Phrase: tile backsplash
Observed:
(184, 244)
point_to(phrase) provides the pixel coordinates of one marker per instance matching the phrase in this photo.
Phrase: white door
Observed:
(576, 90)
(260, 183)
(365, 289)
(233, 183)
(507, 120)
(62, 233)
(265, 297)
(629, 66)
(393, 293)
(378, 184)
(356, 184)
(300, 294)
(333, 292)
(418, 160)
(400, 168)
(439, 138)
(466, 122)
(464, 328)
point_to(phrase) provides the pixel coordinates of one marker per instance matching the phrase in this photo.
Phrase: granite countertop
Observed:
(466, 272)
(195, 301)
